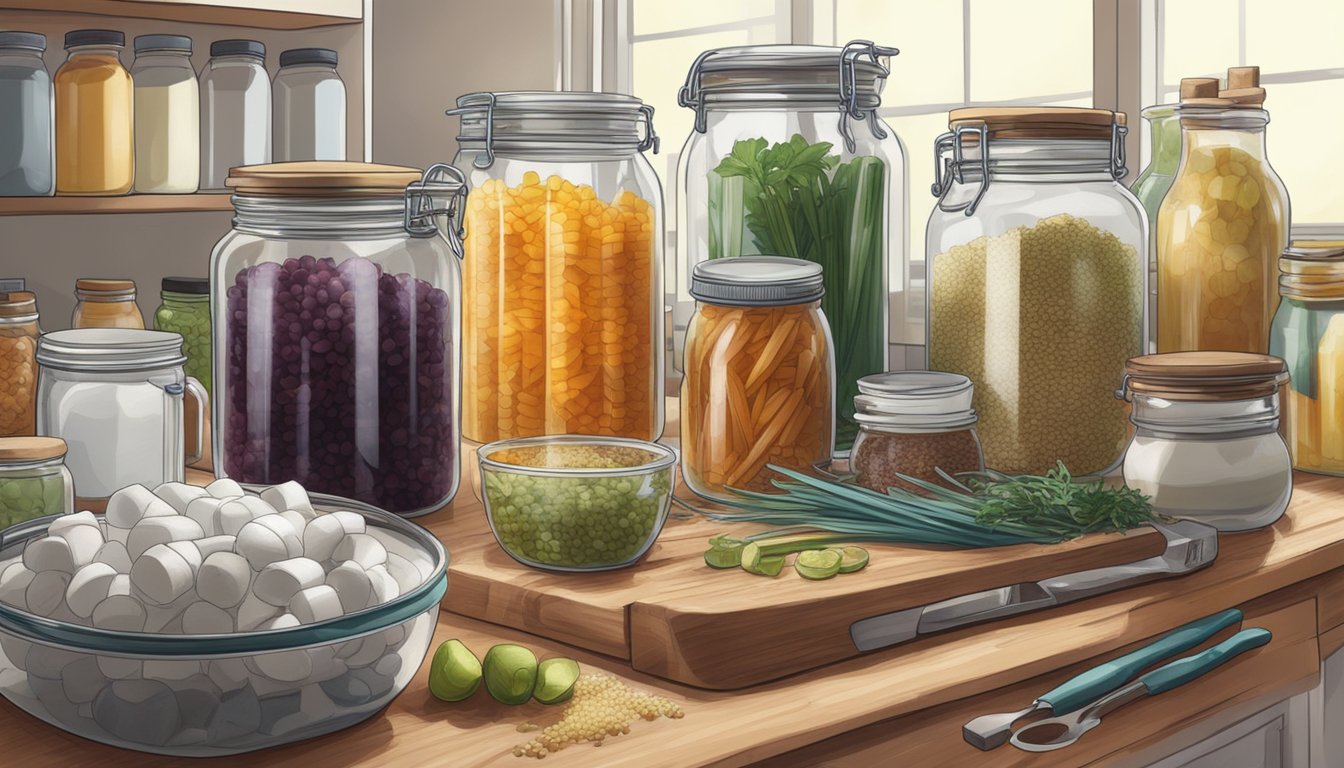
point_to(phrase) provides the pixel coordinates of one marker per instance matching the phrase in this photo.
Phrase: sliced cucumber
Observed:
(817, 564)
(852, 559)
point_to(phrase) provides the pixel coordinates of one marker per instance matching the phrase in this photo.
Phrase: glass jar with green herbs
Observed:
(33, 479)
(186, 311)
(788, 157)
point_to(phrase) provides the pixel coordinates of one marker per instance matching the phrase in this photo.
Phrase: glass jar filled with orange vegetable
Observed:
(94, 125)
(1222, 225)
(562, 275)
(106, 304)
(18, 363)
(759, 385)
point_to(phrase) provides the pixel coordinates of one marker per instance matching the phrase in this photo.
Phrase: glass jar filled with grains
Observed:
(563, 269)
(1038, 262)
(1206, 444)
(18, 362)
(104, 303)
(186, 311)
(1151, 187)
(33, 479)
(94, 144)
(759, 375)
(1224, 223)
(914, 423)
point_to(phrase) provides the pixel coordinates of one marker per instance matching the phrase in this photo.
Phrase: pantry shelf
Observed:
(39, 206)
(261, 14)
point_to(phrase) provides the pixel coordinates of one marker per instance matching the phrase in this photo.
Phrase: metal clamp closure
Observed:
(650, 140)
(689, 95)
(489, 155)
(1118, 133)
(849, 88)
(440, 178)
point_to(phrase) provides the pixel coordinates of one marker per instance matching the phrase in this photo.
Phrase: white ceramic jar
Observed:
(1206, 444)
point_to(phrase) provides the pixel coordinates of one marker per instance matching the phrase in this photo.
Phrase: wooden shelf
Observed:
(39, 206)
(262, 14)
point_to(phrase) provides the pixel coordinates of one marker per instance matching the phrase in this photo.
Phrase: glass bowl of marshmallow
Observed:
(200, 622)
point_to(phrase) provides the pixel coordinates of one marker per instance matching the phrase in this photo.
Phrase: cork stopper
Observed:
(1199, 88)
(1243, 89)
(1243, 77)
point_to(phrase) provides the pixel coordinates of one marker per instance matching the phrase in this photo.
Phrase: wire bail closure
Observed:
(439, 179)
(489, 155)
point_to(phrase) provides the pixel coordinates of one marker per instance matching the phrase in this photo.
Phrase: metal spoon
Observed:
(1059, 732)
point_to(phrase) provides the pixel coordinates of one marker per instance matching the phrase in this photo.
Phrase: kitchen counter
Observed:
(907, 702)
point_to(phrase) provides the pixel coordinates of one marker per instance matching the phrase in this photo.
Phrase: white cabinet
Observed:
(1277, 737)
(1327, 714)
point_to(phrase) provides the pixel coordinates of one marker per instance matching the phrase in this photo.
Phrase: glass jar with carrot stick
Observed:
(759, 388)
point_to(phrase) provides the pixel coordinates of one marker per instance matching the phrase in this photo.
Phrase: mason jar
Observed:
(167, 116)
(1037, 262)
(914, 424)
(33, 479)
(563, 268)
(27, 110)
(334, 305)
(95, 128)
(235, 110)
(18, 360)
(788, 157)
(1206, 444)
(186, 310)
(309, 109)
(115, 396)
(106, 303)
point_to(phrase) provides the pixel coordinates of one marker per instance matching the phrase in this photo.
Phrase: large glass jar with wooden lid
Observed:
(1223, 224)
(18, 363)
(1037, 264)
(106, 303)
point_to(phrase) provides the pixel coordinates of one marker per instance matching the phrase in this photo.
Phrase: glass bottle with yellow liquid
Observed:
(1222, 225)
(94, 126)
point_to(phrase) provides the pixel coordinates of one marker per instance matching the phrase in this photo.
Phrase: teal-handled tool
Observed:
(991, 731)
(1059, 732)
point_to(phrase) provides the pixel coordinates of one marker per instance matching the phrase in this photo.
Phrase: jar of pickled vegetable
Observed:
(759, 375)
(788, 157)
(334, 315)
(106, 304)
(33, 479)
(1151, 187)
(1223, 225)
(186, 311)
(562, 307)
(18, 361)
(1037, 260)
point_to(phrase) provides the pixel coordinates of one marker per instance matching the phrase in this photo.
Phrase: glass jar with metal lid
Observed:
(918, 424)
(788, 157)
(106, 303)
(18, 361)
(1037, 263)
(334, 308)
(33, 479)
(1206, 444)
(27, 157)
(186, 310)
(563, 272)
(167, 116)
(759, 380)
(1308, 333)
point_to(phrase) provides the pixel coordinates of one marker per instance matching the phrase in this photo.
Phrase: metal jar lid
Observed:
(145, 43)
(757, 281)
(296, 57)
(251, 48)
(921, 400)
(198, 286)
(1203, 376)
(80, 37)
(28, 41)
(553, 124)
(110, 350)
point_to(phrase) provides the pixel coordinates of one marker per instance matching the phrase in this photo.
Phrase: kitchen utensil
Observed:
(991, 731)
(1059, 732)
(1190, 546)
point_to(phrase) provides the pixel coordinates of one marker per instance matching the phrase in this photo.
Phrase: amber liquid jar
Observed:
(106, 304)
(94, 121)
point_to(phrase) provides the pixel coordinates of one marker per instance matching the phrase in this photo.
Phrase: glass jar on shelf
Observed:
(27, 156)
(788, 157)
(186, 311)
(167, 116)
(563, 269)
(335, 310)
(1222, 226)
(235, 110)
(94, 127)
(1037, 260)
(33, 479)
(917, 424)
(18, 361)
(1206, 444)
(104, 303)
(759, 379)
(1151, 186)
(309, 106)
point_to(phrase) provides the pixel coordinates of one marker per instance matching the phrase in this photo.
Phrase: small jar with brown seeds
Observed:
(917, 424)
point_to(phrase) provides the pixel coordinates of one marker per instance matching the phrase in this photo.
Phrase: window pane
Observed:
(1289, 35)
(653, 16)
(1199, 39)
(1306, 160)
(1030, 47)
(929, 69)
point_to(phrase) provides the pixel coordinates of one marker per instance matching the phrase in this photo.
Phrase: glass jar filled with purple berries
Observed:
(335, 304)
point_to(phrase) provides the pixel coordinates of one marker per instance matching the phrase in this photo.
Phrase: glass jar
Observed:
(106, 304)
(1037, 261)
(27, 160)
(33, 479)
(563, 268)
(1221, 228)
(115, 396)
(309, 106)
(167, 116)
(335, 304)
(789, 158)
(186, 311)
(1206, 445)
(94, 144)
(235, 110)
(18, 361)
(1152, 185)
(759, 380)
(1308, 333)
(916, 424)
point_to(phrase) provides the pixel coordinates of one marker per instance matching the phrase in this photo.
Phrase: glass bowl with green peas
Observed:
(575, 502)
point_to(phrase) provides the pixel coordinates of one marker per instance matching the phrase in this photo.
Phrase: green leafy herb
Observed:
(1055, 503)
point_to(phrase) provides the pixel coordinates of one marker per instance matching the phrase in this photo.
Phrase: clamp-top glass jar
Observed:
(1037, 263)
(335, 305)
(563, 272)
(789, 158)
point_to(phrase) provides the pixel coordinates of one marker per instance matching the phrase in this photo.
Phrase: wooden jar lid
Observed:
(31, 448)
(1038, 122)
(1205, 375)
(102, 285)
(18, 304)
(322, 178)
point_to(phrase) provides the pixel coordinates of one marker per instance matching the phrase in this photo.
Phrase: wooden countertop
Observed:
(1278, 575)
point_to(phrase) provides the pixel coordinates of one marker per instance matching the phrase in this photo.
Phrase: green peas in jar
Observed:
(186, 311)
(33, 479)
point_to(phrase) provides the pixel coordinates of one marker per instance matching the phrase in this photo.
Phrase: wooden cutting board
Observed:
(674, 617)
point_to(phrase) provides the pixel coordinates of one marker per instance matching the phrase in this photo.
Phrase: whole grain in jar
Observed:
(18, 361)
(916, 424)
